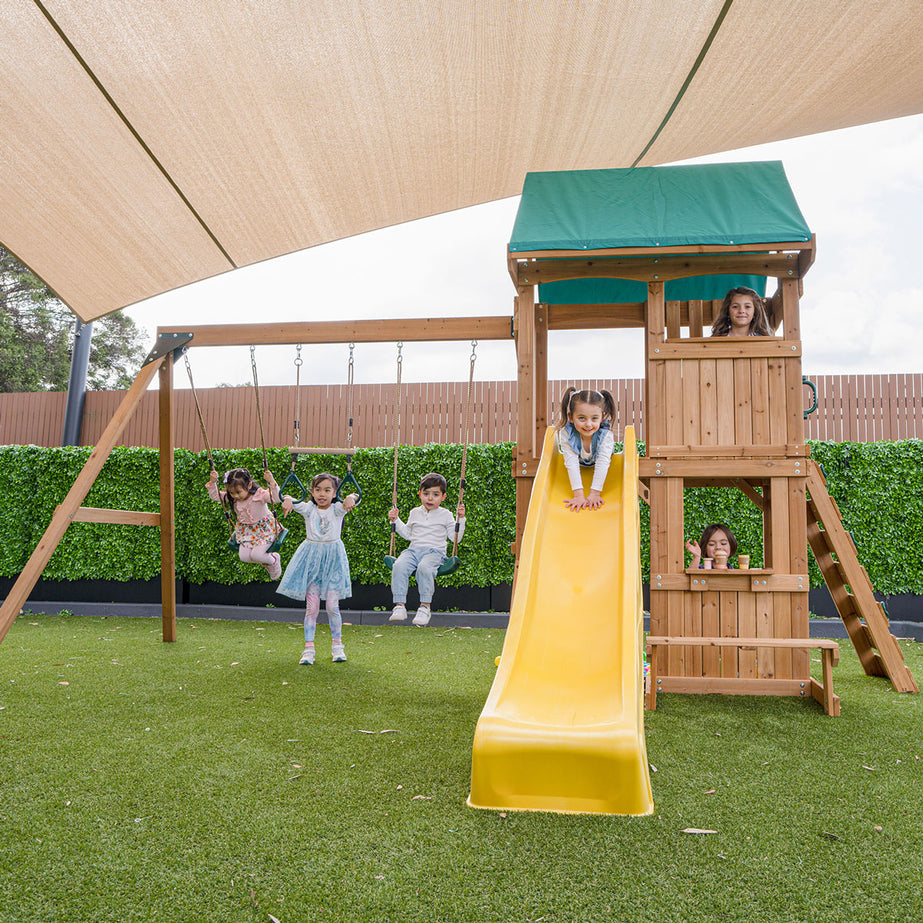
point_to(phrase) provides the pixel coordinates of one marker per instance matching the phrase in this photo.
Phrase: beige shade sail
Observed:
(147, 145)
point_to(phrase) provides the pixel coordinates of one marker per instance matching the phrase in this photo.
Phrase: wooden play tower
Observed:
(657, 248)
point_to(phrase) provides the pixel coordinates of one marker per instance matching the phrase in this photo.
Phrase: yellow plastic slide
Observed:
(563, 726)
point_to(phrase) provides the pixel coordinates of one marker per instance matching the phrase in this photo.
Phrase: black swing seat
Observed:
(449, 565)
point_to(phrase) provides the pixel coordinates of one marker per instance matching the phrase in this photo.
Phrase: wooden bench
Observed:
(821, 691)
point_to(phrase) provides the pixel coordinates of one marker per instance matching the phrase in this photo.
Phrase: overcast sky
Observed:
(860, 190)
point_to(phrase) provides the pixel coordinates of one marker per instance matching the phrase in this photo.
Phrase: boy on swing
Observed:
(428, 528)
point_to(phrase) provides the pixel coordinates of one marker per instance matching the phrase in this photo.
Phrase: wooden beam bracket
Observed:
(168, 342)
(525, 467)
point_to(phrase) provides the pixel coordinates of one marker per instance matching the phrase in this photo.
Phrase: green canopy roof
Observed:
(726, 203)
(718, 204)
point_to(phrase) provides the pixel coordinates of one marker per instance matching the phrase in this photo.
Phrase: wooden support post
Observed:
(667, 609)
(64, 514)
(524, 463)
(793, 386)
(798, 545)
(655, 379)
(525, 356)
(540, 385)
(167, 503)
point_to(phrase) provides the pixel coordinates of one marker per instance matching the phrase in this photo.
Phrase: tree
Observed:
(36, 338)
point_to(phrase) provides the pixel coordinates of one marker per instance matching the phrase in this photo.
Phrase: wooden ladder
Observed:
(850, 587)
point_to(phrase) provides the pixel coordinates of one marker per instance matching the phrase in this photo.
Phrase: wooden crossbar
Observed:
(314, 450)
(820, 691)
(116, 517)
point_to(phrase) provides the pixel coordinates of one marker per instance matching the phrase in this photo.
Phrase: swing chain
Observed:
(195, 398)
(397, 416)
(468, 414)
(297, 421)
(208, 448)
(350, 369)
(397, 436)
(259, 410)
(350, 477)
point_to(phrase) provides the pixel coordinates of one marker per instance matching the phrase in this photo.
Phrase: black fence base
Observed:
(903, 610)
(249, 595)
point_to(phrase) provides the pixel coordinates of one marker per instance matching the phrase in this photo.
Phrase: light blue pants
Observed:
(425, 561)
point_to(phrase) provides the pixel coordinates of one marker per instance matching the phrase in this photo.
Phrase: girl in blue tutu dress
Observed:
(319, 566)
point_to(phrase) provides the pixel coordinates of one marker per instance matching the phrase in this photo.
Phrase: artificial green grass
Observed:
(214, 779)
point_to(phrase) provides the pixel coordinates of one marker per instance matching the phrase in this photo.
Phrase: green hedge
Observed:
(36, 480)
(878, 486)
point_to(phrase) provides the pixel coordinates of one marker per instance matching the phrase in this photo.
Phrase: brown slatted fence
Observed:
(851, 408)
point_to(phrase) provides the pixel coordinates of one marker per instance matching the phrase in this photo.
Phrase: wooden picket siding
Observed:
(851, 408)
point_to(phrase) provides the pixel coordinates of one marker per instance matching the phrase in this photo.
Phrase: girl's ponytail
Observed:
(565, 406)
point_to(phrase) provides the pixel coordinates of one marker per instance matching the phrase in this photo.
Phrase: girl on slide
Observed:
(584, 437)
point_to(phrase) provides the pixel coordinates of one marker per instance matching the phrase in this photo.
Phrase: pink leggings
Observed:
(312, 600)
(256, 554)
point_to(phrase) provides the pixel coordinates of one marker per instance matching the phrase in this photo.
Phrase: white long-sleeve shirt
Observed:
(429, 528)
(572, 460)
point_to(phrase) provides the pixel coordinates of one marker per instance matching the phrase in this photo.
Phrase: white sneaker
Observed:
(422, 616)
(337, 653)
(307, 657)
(399, 613)
(275, 569)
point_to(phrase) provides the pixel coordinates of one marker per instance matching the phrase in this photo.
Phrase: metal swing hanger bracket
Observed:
(168, 342)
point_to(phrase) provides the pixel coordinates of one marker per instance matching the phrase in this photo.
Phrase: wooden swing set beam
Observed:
(409, 329)
(319, 450)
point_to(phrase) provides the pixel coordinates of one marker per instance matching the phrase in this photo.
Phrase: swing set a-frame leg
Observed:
(66, 512)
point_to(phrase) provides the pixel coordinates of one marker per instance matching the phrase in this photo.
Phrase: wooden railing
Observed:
(851, 408)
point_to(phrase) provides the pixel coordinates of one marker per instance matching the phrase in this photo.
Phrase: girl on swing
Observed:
(256, 526)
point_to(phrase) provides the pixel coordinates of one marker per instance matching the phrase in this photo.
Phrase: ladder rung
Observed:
(865, 618)
(842, 598)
